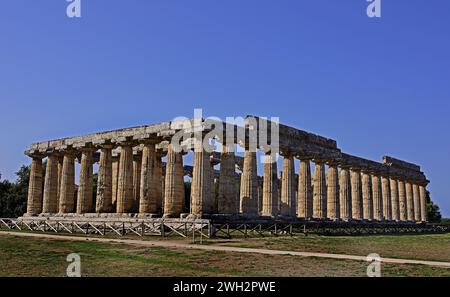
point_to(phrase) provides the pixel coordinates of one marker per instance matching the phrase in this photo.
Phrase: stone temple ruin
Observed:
(135, 184)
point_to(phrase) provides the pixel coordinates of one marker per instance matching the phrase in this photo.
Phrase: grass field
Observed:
(45, 257)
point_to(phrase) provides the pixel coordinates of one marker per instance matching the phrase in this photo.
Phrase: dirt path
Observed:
(174, 244)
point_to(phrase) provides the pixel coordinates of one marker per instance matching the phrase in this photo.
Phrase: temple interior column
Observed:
(367, 196)
(403, 212)
(115, 180)
(201, 192)
(51, 185)
(125, 179)
(319, 191)
(58, 183)
(386, 194)
(67, 187)
(287, 207)
(395, 199)
(356, 194)
(137, 165)
(423, 203)
(345, 193)
(227, 185)
(85, 187)
(105, 180)
(304, 194)
(409, 201)
(159, 184)
(333, 208)
(416, 197)
(34, 201)
(249, 184)
(173, 193)
(377, 198)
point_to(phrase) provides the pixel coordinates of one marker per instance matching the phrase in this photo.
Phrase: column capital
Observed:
(35, 154)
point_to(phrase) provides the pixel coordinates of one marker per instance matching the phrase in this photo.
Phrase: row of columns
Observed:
(131, 184)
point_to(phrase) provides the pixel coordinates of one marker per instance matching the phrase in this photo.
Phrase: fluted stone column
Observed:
(367, 196)
(148, 202)
(58, 185)
(51, 185)
(115, 179)
(125, 179)
(319, 191)
(227, 184)
(395, 199)
(423, 203)
(304, 194)
(34, 201)
(159, 184)
(416, 197)
(377, 198)
(201, 192)
(409, 201)
(85, 188)
(105, 180)
(67, 187)
(288, 203)
(270, 187)
(333, 206)
(345, 193)
(357, 213)
(249, 184)
(137, 165)
(173, 193)
(403, 212)
(386, 194)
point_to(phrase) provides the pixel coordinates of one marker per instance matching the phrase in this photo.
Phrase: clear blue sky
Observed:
(377, 86)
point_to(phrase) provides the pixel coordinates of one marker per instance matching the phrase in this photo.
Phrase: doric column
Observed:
(287, 207)
(202, 200)
(115, 179)
(423, 203)
(367, 196)
(85, 188)
(345, 193)
(319, 191)
(51, 185)
(416, 197)
(356, 194)
(403, 212)
(159, 184)
(105, 180)
(395, 200)
(67, 187)
(125, 179)
(386, 194)
(137, 165)
(270, 187)
(149, 183)
(34, 202)
(333, 208)
(58, 185)
(227, 184)
(249, 184)
(409, 201)
(173, 191)
(377, 197)
(304, 194)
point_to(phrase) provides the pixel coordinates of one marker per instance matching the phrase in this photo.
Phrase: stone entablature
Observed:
(351, 188)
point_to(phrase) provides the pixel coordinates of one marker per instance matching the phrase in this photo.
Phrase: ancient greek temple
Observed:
(142, 174)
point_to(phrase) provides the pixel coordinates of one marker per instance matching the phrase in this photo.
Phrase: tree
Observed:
(13, 196)
(434, 214)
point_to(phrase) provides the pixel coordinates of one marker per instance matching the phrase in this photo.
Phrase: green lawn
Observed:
(434, 247)
(43, 257)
